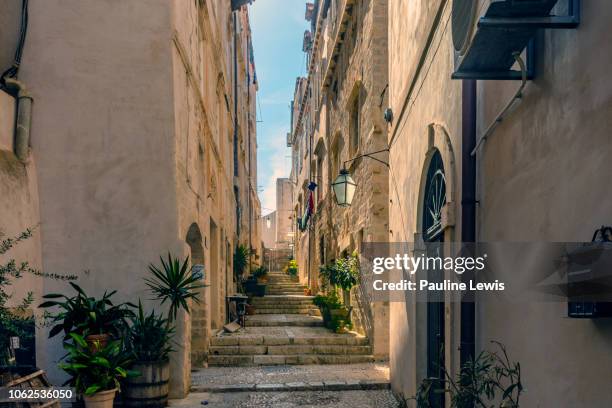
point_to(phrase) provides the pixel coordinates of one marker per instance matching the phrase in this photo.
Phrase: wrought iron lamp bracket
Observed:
(369, 155)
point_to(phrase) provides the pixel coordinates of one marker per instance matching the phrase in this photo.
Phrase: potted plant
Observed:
(344, 273)
(149, 345)
(261, 274)
(17, 320)
(95, 374)
(292, 268)
(327, 303)
(242, 255)
(488, 380)
(150, 335)
(97, 320)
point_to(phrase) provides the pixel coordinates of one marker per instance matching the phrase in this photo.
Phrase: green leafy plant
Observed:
(17, 321)
(241, 260)
(344, 273)
(149, 336)
(92, 372)
(174, 283)
(86, 315)
(488, 379)
(259, 272)
(330, 301)
(292, 268)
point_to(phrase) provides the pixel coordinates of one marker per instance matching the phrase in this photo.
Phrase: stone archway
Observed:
(200, 321)
(439, 155)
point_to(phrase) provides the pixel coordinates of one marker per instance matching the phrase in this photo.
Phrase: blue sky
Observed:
(278, 28)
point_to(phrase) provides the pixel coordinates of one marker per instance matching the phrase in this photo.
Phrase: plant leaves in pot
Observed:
(97, 320)
(149, 344)
(96, 375)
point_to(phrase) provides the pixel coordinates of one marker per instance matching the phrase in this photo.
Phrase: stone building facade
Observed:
(338, 116)
(535, 177)
(143, 141)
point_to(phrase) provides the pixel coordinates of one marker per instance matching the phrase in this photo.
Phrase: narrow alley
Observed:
(285, 357)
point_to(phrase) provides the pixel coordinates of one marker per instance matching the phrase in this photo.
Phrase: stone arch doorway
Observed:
(200, 322)
(434, 237)
(434, 201)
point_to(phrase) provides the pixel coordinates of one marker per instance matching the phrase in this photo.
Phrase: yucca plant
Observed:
(241, 260)
(175, 284)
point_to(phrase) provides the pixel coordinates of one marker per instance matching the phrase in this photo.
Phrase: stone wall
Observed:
(358, 78)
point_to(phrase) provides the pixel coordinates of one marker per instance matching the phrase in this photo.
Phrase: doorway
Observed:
(215, 278)
(434, 201)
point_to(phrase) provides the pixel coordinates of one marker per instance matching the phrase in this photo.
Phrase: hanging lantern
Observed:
(344, 188)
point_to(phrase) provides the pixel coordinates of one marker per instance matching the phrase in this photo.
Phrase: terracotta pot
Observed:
(307, 292)
(97, 342)
(102, 399)
(250, 309)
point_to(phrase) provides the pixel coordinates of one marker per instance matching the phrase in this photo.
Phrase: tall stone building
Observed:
(337, 120)
(142, 142)
(521, 161)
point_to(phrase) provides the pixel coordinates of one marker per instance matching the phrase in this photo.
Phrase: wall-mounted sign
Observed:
(197, 271)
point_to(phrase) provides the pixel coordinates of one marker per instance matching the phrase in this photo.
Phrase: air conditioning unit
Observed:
(486, 38)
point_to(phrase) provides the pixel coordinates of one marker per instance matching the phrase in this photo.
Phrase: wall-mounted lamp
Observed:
(344, 186)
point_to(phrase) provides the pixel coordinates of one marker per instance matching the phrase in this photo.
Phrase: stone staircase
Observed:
(286, 329)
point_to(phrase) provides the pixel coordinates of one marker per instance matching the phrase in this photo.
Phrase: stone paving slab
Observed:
(218, 376)
(281, 399)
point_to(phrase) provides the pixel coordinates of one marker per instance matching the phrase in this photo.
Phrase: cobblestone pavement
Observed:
(336, 399)
(289, 374)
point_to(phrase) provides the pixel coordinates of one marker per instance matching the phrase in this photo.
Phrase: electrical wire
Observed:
(13, 71)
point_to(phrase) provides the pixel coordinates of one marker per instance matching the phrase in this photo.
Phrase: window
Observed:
(354, 125)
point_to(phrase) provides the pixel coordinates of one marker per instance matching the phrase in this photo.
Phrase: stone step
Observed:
(286, 310)
(276, 320)
(281, 303)
(254, 360)
(288, 297)
(290, 349)
(287, 289)
(278, 300)
(284, 336)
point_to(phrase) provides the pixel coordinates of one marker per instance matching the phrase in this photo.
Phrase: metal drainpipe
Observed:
(236, 186)
(468, 209)
(248, 88)
(24, 118)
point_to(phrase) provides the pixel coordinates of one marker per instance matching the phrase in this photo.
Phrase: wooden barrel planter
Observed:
(150, 389)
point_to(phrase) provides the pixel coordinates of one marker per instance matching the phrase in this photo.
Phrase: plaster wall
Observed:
(18, 207)
(103, 140)
(544, 176)
(427, 116)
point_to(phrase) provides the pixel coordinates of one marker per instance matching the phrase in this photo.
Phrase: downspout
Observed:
(8, 81)
(236, 186)
(24, 118)
(248, 126)
(467, 348)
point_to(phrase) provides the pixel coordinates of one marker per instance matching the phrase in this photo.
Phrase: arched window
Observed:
(434, 199)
